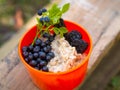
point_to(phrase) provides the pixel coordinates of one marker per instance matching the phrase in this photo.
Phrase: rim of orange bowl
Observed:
(59, 73)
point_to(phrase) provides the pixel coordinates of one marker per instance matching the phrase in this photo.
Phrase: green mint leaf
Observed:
(54, 10)
(55, 19)
(65, 7)
(63, 30)
(56, 30)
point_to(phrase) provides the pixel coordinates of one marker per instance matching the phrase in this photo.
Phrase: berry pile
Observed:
(75, 39)
(39, 54)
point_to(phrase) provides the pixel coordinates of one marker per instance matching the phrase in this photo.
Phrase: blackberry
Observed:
(80, 45)
(71, 36)
(61, 24)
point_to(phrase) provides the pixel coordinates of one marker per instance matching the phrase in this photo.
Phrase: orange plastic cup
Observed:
(67, 80)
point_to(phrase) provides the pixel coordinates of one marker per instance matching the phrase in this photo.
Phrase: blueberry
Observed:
(43, 44)
(49, 47)
(38, 60)
(30, 56)
(30, 47)
(40, 12)
(38, 42)
(47, 42)
(36, 67)
(25, 54)
(36, 49)
(42, 19)
(51, 38)
(45, 49)
(48, 57)
(24, 49)
(46, 19)
(35, 55)
(43, 10)
(33, 63)
(45, 68)
(42, 55)
(27, 60)
(42, 63)
(46, 35)
(51, 54)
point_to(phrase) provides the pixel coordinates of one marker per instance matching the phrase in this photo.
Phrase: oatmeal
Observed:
(66, 56)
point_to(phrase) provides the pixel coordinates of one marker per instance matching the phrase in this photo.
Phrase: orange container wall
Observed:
(67, 80)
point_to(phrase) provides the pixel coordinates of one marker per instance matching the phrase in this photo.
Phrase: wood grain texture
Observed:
(100, 17)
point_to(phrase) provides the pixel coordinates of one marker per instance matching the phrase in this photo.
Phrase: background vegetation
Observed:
(7, 12)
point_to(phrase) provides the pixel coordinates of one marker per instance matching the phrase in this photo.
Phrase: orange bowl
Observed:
(67, 80)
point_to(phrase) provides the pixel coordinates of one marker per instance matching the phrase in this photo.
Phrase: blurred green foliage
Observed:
(29, 7)
(114, 84)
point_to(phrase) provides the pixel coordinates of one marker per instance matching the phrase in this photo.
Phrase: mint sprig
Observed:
(54, 14)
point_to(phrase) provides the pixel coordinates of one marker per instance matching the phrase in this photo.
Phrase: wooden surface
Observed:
(102, 20)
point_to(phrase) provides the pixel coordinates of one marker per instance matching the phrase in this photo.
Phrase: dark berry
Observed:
(30, 47)
(27, 60)
(36, 49)
(42, 19)
(43, 44)
(38, 42)
(25, 54)
(51, 54)
(36, 67)
(71, 36)
(35, 55)
(46, 35)
(51, 38)
(46, 19)
(40, 12)
(45, 49)
(24, 49)
(45, 68)
(80, 45)
(42, 55)
(49, 47)
(47, 42)
(61, 24)
(43, 10)
(30, 56)
(33, 63)
(38, 60)
(42, 63)
(48, 57)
